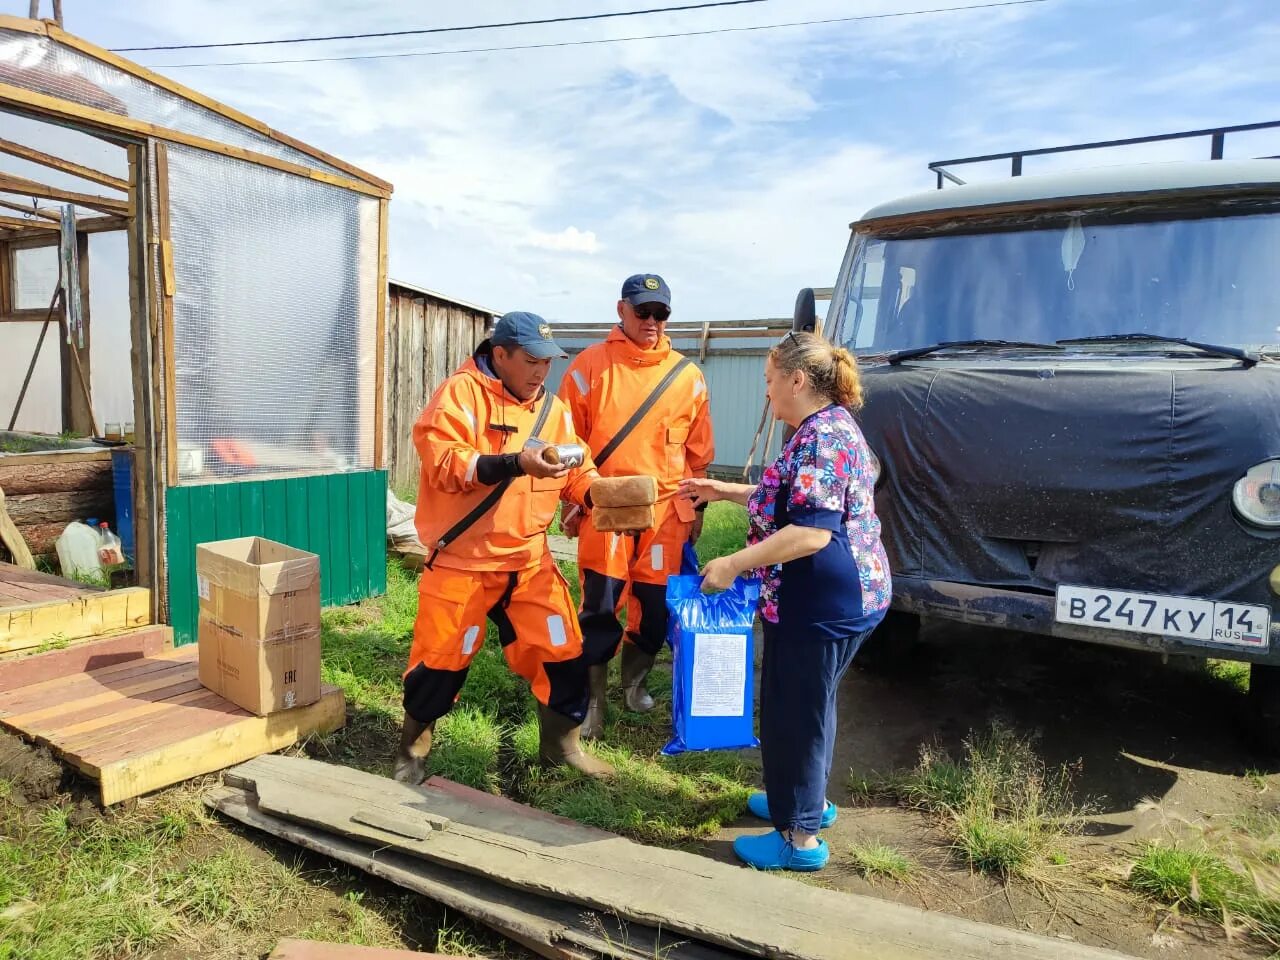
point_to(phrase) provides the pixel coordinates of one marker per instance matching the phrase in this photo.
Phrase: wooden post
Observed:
(168, 286)
(380, 374)
(147, 512)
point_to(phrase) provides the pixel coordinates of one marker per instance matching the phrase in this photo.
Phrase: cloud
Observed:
(568, 240)
(732, 164)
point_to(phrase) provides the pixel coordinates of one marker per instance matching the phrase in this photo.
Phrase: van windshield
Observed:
(1212, 278)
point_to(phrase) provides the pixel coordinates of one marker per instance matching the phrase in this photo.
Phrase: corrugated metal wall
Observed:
(734, 369)
(428, 337)
(340, 517)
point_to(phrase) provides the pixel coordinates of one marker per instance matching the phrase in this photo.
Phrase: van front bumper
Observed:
(1034, 613)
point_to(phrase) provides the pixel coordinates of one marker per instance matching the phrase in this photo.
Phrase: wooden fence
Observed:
(428, 337)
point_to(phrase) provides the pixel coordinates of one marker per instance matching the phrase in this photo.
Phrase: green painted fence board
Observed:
(375, 500)
(340, 537)
(340, 517)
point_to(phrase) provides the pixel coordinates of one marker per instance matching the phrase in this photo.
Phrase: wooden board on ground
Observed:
(85, 612)
(23, 669)
(147, 723)
(550, 928)
(314, 950)
(717, 903)
(12, 540)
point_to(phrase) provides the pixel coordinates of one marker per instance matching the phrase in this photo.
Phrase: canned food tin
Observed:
(569, 454)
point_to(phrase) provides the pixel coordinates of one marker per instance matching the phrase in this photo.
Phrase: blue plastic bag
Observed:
(713, 664)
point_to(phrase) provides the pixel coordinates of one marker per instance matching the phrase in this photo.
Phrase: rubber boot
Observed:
(411, 756)
(636, 665)
(597, 686)
(558, 744)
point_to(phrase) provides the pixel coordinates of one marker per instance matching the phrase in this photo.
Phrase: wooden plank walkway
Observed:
(147, 723)
(24, 668)
(716, 903)
(37, 608)
(554, 929)
(19, 587)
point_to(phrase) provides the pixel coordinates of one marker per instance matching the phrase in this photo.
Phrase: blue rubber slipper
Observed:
(758, 804)
(773, 851)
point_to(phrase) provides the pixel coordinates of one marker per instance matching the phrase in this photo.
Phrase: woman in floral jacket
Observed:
(814, 541)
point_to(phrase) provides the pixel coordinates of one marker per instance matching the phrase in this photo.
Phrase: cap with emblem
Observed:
(527, 331)
(646, 288)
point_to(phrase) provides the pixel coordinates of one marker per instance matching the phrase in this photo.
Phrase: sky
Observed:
(730, 163)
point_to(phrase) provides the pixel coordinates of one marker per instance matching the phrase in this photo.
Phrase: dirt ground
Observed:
(1156, 746)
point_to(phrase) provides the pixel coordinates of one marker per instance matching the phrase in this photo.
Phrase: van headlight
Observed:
(1256, 496)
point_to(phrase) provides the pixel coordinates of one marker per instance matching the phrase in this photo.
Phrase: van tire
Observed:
(891, 644)
(1264, 707)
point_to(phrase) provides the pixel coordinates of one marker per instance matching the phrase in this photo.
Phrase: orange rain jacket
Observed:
(604, 385)
(473, 414)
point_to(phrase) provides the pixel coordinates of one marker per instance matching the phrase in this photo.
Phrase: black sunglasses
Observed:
(655, 311)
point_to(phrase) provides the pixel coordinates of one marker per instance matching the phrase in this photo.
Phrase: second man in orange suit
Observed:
(603, 387)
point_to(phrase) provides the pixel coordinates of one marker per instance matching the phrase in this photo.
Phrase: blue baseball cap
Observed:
(646, 288)
(527, 331)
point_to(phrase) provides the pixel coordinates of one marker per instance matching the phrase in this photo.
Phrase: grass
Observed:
(1232, 673)
(77, 886)
(1004, 810)
(878, 861)
(490, 739)
(165, 875)
(1204, 882)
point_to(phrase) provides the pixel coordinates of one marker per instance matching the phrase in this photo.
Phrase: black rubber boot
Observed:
(636, 665)
(597, 687)
(415, 745)
(558, 743)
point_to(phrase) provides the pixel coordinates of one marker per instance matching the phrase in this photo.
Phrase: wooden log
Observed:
(68, 476)
(31, 508)
(42, 537)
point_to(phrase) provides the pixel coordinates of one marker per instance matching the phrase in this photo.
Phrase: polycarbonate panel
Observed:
(44, 66)
(275, 320)
(35, 277)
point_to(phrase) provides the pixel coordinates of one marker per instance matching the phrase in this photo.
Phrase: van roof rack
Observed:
(1217, 137)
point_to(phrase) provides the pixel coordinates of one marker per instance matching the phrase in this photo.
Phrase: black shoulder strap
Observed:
(493, 496)
(612, 446)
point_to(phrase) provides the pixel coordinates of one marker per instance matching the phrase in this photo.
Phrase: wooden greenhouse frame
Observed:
(171, 514)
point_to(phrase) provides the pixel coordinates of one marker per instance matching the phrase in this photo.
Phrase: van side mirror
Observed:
(805, 317)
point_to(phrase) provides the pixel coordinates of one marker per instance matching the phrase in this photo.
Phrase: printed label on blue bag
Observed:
(719, 675)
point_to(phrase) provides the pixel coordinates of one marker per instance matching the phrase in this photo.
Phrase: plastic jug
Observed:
(110, 550)
(78, 551)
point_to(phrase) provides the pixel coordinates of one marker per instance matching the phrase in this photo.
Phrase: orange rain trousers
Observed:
(620, 572)
(540, 637)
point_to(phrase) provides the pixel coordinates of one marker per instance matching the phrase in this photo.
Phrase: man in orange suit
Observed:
(672, 440)
(485, 500)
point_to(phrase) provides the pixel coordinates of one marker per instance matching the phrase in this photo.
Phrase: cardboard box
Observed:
(259, 623)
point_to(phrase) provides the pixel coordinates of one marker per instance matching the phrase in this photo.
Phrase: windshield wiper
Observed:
(896, 358)
(1247, 357)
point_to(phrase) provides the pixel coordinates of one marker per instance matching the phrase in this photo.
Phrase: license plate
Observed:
(1186, 618)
